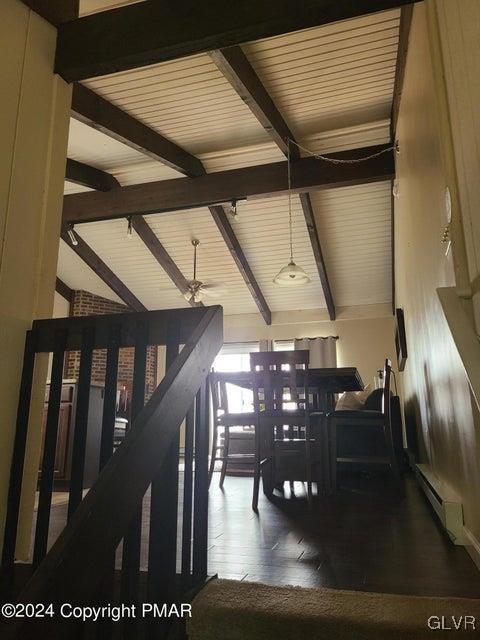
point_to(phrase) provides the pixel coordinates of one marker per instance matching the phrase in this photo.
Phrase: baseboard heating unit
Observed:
(445, 503)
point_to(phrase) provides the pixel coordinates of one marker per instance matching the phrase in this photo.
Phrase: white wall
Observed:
(34, 117)
(436, 391)
(459, 30)
(61, 307)
(366, 334)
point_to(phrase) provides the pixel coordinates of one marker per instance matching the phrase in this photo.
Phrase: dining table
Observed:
(324, 384)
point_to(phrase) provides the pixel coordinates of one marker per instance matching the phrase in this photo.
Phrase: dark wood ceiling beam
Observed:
(63, 289)
(403, 36)
(146, 33)
(162, 256)
(92, 109)
(88, 255)
(97, 112)
(235, 66)
(221, 219)
(54, 12)
(100, 114)
(318, 253)
(87, 176)
(223, 186)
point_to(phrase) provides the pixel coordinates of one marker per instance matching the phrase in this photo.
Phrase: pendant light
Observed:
(291, 275)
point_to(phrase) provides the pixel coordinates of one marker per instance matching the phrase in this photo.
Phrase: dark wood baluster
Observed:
(188, 501)
(105, 626)
(81, 420)
(18, 456)
(200, 512)
(132, 540)
(139, 369)
(162, 550)
(49, 449)
(110, 396)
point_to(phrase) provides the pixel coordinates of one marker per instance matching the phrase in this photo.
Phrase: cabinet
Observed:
(65, 434)
(64, 429)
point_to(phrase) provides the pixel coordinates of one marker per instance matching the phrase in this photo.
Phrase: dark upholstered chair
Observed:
(368, 423)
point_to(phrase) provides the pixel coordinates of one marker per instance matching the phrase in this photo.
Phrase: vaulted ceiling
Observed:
(333, 87)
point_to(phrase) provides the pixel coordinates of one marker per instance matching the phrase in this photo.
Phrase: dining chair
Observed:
(280, 400)
(365, 422)
(223, 421)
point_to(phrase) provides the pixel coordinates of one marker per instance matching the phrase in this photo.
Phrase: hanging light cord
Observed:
(290, 202)
(319, 156)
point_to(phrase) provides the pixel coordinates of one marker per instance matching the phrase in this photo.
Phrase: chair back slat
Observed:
(275, 376)
(223, 396)
(219, 395)
(294, 396)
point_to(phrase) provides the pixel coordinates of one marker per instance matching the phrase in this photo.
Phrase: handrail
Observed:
(464, 335)
(76, 563)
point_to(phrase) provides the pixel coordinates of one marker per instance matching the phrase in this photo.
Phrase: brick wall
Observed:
(86, 304)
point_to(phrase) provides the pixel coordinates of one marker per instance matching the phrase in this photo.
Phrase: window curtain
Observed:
(265, 345)
(323, 351)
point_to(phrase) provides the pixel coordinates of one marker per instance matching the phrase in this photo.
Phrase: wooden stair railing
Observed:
(467, 342)
(80, 565)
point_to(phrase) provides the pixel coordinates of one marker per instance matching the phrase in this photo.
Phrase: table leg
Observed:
(326, 457)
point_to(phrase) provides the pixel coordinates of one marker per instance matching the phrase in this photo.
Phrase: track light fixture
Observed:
(129, 228)
(72, 235)
(233, 208)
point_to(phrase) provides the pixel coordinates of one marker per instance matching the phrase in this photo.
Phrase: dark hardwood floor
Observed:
(362, 539)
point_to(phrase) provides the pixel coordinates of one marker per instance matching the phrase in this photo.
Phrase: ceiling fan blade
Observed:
(214, 290)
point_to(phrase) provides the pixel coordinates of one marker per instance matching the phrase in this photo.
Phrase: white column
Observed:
(34, 117)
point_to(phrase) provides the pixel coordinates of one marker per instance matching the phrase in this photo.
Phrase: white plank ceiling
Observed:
(333, 76)
(334, 87)
(356, 221)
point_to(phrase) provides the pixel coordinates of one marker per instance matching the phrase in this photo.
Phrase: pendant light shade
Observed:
(291, 275)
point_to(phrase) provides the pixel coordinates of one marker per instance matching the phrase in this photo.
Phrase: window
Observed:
(235, 357)
(283, 345)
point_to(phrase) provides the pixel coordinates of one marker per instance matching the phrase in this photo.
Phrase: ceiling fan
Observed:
(197, 291)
